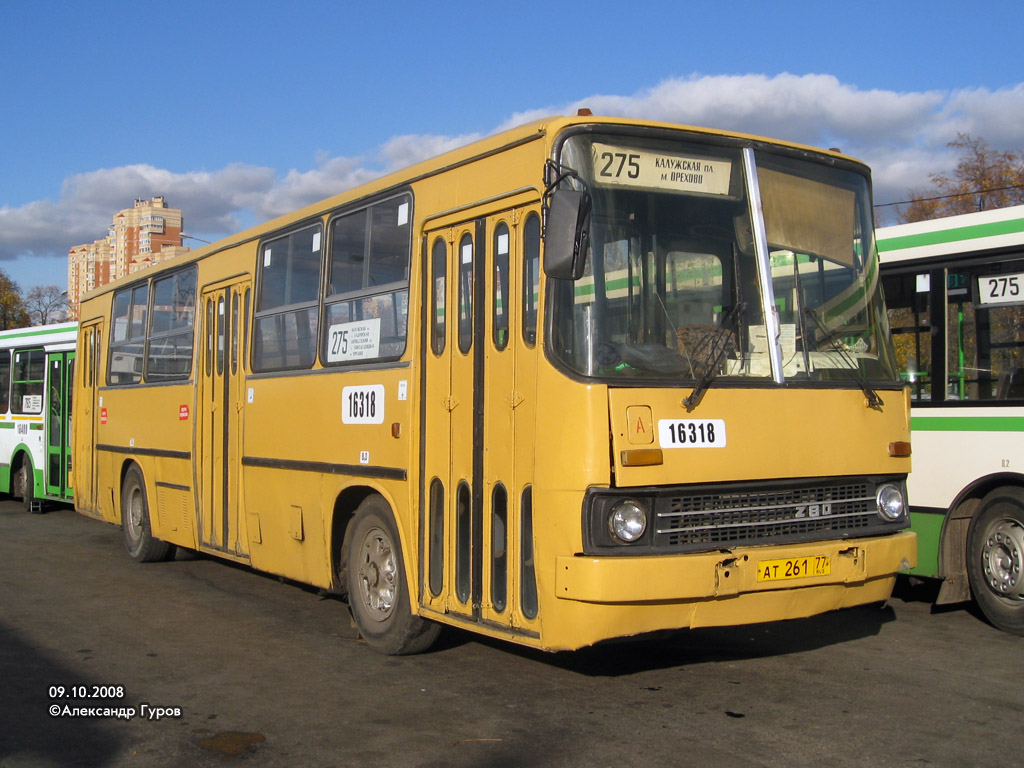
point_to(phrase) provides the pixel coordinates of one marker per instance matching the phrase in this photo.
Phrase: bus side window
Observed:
(128, 335)
(985, 332)
(5, 380)
(286, 301)
(500, 311)
(465, 293)
(531, 277)
(169, 344)
(439, 279)
(367, 295)
(907, 302)
(28, 379)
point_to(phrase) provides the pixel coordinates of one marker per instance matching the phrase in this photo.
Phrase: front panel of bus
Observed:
(720, 423)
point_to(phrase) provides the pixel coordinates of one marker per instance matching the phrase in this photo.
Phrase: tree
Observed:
(12, 309)
(47, 304)
(984, 179)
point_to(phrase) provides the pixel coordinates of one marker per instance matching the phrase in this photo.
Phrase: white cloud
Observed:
(902, 135)
(403, 151)
(212, 202)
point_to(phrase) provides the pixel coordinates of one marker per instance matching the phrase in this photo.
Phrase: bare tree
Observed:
(47, 304)
(984, 179)
(12, 309)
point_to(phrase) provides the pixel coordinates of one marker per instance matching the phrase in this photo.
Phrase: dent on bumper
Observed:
(723, 573)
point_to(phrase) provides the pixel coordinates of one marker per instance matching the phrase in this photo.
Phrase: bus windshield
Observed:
(681, 267)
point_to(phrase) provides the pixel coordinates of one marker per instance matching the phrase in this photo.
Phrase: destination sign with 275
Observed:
(666, 171)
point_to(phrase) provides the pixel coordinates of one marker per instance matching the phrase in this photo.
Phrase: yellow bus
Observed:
(585, 379)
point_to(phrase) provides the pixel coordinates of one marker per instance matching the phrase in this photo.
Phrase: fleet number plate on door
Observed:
(794, 568)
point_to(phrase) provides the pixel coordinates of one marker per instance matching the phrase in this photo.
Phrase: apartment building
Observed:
(138, 237)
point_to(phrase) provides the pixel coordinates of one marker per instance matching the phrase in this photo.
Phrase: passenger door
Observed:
(478, 406)
(60, 366)
(87, 417)
(221, 376)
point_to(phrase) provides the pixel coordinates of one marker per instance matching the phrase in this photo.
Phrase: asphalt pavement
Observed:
(106, 662)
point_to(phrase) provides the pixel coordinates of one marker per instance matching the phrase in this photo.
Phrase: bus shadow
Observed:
(681, 648)
(30, 733)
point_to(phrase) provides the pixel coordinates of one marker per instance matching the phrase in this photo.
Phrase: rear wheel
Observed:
(25, 488)
(378, 593)
(138, 536)
(995, 562)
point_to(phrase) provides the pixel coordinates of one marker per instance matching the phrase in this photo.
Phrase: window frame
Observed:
(117, 345)
(393, 290)
(281, 312)
(22, 387)
(182, 331)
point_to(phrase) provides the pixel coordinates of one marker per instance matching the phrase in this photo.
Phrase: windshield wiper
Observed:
(874, 401)
(719, 347)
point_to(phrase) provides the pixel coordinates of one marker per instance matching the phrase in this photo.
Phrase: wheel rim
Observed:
(1001, 559)
(377, 574)
(133, 519)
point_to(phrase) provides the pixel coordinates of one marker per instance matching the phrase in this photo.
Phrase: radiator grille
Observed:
(727, 518)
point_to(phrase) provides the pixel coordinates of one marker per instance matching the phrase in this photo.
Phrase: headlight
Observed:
(628, 521)
(891, 505)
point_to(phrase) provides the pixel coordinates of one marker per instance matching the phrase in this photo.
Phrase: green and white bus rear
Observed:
(954, 288)
(36, 371)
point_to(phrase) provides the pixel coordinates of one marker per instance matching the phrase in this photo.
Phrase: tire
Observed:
(138, 535)
(25, 488)
(378, 594)
(995, 558)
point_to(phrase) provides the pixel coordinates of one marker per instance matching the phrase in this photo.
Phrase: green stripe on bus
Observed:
(1013, 226)
(35, 333)
(967, 423)
(928, 528)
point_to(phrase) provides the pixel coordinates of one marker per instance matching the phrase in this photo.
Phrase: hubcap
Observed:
(377, 574)
(135, 515)
(1002, 557)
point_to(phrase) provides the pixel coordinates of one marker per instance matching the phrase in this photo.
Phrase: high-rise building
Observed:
(138, 237)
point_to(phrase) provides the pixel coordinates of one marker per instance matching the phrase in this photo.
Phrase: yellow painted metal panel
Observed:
(770, 433)
(714, 574)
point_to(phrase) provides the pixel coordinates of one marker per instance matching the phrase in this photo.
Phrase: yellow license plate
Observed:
(794, 568)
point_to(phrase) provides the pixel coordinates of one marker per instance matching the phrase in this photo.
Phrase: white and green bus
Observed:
(36, 367)
(954, 288)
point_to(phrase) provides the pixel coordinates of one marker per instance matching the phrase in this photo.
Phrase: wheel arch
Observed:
(345, 505)
(955, 528)
(126, 465)
(20, 456)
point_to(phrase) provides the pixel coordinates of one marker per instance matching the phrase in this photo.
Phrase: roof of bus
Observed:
(43, 333)
(966, 233)
(538, 129)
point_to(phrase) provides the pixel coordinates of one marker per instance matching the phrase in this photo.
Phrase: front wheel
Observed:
(138, 535)
(995, 558)
(378, 593)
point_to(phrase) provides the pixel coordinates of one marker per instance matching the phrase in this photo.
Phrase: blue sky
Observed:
(241, 111)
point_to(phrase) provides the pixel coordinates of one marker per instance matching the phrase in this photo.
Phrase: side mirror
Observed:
(565, 234)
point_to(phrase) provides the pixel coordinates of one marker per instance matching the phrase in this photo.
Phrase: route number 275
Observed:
(1001, 289)
(614, 163)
